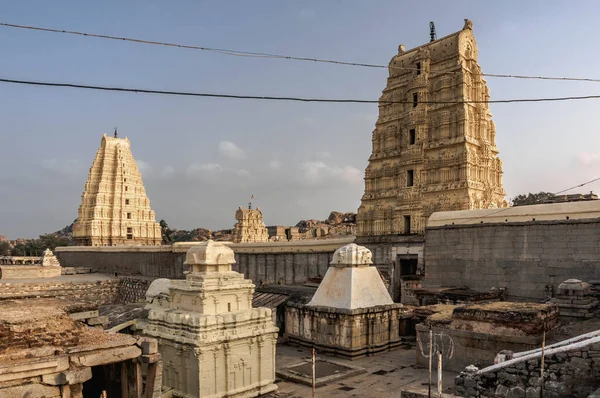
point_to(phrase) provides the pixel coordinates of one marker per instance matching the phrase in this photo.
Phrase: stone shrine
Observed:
(574, 300)
(250, 226)
(114, 207)
(433, 150)
(351, 313)
(49, 268)
(213, 343)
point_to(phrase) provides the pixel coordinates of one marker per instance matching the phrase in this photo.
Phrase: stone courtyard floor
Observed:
(386, 375)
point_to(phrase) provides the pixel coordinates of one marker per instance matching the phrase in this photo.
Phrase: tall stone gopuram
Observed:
(430, 157)
(250, 226)
(114, 207)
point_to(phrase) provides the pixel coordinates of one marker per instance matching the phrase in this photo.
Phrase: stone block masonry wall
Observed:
(524, 257)
(98, 292)
(132, 290)
(570, 371)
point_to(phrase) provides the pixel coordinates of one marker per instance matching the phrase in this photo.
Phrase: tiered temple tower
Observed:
(430, 157)
(114, 207)
(250, 226)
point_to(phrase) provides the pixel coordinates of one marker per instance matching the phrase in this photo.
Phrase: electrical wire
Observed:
(295, 99)
(239, 53)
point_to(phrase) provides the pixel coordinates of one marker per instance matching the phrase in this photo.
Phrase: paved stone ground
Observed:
(386, 375)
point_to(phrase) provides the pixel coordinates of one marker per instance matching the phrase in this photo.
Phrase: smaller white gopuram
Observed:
(213, 343)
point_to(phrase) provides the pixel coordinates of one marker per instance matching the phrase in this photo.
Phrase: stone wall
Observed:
(270, 262)
(524, 257)
(132, 290)
(100, 292)
(571, 370)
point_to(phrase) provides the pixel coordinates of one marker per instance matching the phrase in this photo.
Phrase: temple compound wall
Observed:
(527, 250)
(269, 262)
(213, 343)
(115, 209)
(429, 156)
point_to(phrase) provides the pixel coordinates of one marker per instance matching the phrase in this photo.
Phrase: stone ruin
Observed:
(574, 300)
(49, 268)
(351, 314)
(213, 342)
(45, 352)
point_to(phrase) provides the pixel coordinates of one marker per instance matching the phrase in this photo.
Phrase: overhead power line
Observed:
(252, 54)
(276, 98)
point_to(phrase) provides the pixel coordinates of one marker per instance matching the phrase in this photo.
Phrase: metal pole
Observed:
(542, 364)
(430, 359)
(314, 379)
(439, 374)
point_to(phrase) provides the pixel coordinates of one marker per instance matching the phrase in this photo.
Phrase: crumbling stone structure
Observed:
(431, 157)
(474, 334)
(351, 313)
(250, 226)
(570, 370)
(115, 209)
(574, 300)
(46, 353)
(213, 342)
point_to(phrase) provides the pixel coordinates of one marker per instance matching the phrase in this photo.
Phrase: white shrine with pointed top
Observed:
(350, 282)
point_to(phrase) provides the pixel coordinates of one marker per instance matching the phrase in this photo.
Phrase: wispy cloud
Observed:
(167, 172)
(230, 150)
(321, 172)
(275, 165)
(62, 166)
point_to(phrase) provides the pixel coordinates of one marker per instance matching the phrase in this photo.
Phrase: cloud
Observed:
(167, 172)
(230, 150)
(144, 167)
(588, 158)
(195, 168)
(319, 172)
(62, 166)
(242, 173)
(274, 165)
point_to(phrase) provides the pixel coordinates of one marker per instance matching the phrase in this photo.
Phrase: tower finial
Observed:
(115, 132)
(250, 203)
(432, 33)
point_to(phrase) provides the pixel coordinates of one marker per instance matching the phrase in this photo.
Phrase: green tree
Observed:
(531, 198)
(4, 249)
(167, 234)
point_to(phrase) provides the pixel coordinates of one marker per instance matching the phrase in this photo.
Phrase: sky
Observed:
(201, 158)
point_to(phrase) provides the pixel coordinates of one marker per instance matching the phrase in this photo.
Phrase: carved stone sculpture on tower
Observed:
(250, 226)
(433, 150)
(213, 343)
(114, 207)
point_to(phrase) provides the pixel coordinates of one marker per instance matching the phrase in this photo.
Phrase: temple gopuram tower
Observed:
(430, 157)
(114, 207)
(250, 226)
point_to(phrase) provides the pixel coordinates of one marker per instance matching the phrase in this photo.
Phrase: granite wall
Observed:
(271, 262)
(99, 292)
(571, 370)
(527, 258)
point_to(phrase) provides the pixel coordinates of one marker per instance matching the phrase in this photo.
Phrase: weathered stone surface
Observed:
(31, 391)
(114, 207)
(428, 158)
(71, 376)
(206, 324)
(106, 356)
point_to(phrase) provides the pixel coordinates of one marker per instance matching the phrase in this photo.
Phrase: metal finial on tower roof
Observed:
(115, 132)
(250, 203)
(432, 33)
